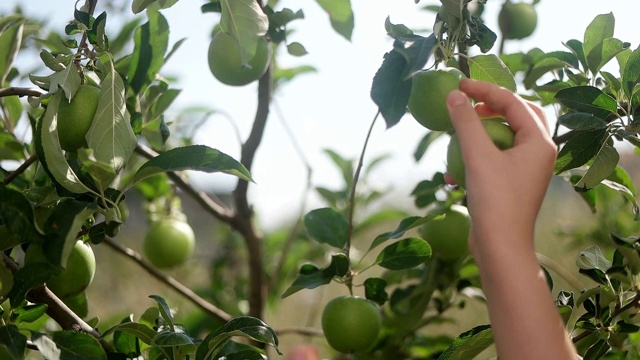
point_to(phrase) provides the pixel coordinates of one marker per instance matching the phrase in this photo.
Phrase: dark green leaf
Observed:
(283, 17)
(389, 90)
(417, 50)
(588, 99)
(29, 313)
(405, 225)
(374, 290)
(549, 62)
(245, 326)
(165, 310)
(69, 345)
(296, 49)
(194, 157)
(151, 43)
(17, 214)
(469, 344)
(576, 48)
(627, 247)
(579, 150)
(631, 73)
(340, 14)
(404, 254)
(602, 53)
(581, 121)
(603, 165)
(140, 331)
(10, 41)
(396, 31)
(327, 226)
(597, 350)
(427, 140)
(311, 277)
(13, 342)
(600, 28)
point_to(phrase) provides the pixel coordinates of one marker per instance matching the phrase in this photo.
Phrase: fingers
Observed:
(474, 140)
(521, 115)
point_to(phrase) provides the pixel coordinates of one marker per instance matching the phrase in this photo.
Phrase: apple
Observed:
(76, 116)
(351, 323)
(448, 237)
(428, 97)
(498, 131)
(517, 20)
(225, 60)
(168, 242)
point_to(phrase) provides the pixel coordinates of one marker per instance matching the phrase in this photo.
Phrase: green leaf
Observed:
(10, 41)
(404, 254)
(396, 31)
(13, 108)
(6, 280)
(469, 344)
(603, 53)
(29, 277)
(604, 164)
(245, 326)
(68, 80)
(311, 277)
(389, 90)
(111, 136)
(593, 264)
(601, 28)
(416, 50)
(151, 43)
(491, 69)
(581, 121)
(194, 157)
(405, 225)
(12, 342)
(631, 73)
(623, 178)
(327, 226)
(549, 62)
(171, 339)
(340, 14)
(17, 214)
(165, 310)
(283, 17)
(140, 331)
(577, 49)
(245, 21)
(29, 313)
(626, 246)
(50, 153)
(296, 49)
(138, 6)
(69, 345)
(597, 350)
(588, 99)
(626, 193)
(424, 144)
(374, 290)
(579, 150)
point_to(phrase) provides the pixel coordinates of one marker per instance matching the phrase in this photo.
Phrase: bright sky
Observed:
(331, 108)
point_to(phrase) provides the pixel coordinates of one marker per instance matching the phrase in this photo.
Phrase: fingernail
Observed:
(456, 98)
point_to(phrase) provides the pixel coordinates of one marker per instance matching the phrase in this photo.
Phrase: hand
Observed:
(503, 187)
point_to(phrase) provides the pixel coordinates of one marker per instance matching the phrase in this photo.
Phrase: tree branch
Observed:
(243, 220)
(21, 91)
(171, 282)
(57, 309)
(21, 169)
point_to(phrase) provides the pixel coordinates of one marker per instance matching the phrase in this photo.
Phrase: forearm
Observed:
(525, 322)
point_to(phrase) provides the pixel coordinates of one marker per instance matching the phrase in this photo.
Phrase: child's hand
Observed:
(503, 187)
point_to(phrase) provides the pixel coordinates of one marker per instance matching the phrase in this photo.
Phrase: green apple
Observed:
(169, 242)
(498, 131)
(77, 274)
(448, 237)
(75, 117)
(428, 97)
(351, 323)
(517, 20)
(225, 60)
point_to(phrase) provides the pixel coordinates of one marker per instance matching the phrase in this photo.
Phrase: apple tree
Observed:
(99, 131)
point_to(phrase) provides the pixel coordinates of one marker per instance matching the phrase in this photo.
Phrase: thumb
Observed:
(474, 140)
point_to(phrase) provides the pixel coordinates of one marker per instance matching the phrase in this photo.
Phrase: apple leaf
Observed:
(68, 79)
(111, 136)
(193, 157)
(389, 90)
(597, 350)
(404, 254)
(627, 247)
(588, 99)
(593, 264)
(581, 121)
(140, 331)
(603, 52)
(424, 144)
(404, 226)
(374, 290)
(491, 69)
(327, 226)
(10, 41)
(50, 153)
(469, 344)
(579, 150)
(68, 344)
(137, 6)
(243, 326)
(603, 165)
(631, 73)
(549, 62)
(13, 342)
(311, 277)
(626, 193)
(17, 215)
(600, 28)
(245, 21)
(340, 14)
(151, 41)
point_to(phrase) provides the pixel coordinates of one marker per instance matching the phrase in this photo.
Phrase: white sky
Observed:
(331, 108)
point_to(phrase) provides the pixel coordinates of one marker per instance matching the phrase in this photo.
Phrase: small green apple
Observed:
(448, 237)
(169, 242)
(225, 60)
(428, 97)
(517, 20)
(498, 131)
(351, 323)
(75, 117)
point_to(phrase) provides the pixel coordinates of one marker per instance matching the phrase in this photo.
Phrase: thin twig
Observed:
(294, 330)
(210, 203)
(352, 195)
(21, 91)
(21, 169)
(170, 281)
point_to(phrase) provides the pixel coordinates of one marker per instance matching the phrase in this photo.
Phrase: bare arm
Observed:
(505, 190)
